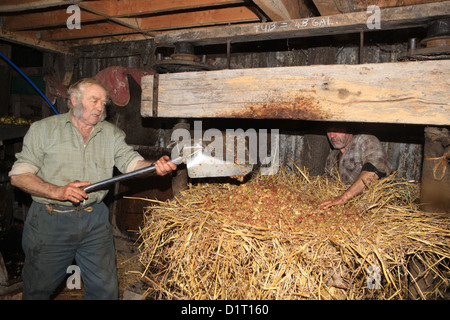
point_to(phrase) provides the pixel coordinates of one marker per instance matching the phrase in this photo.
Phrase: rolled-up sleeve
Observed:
(29, 160)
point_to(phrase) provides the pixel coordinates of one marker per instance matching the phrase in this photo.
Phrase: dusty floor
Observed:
(128, 267)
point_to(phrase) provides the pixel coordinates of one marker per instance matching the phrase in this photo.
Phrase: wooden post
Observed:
(315, 152)
(435, 186)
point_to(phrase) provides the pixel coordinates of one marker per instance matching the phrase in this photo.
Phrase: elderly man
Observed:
(359, 160)
(61, 155)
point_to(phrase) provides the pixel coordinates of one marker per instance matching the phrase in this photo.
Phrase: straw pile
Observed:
(265, 238)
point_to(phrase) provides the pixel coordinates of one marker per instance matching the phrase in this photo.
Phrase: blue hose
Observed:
(29, 81)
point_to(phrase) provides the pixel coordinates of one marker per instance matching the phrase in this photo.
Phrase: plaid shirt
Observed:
(363, 149)
(54, 150)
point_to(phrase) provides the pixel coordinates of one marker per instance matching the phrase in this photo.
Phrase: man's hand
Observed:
(34, 185)
(72, 192)
(163, 167)
(335, 202)
(355, 189)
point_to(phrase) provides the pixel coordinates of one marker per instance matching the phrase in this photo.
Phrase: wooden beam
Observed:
(331, 7)
(109, 39)
(27, 5)
(27, 39)
(279, 10)
(361, 5)
(131, 23)
(407, 92)
(87, 31)
(45, 19)
(199, 18)
(144, 25)
(130, 8)
(391, 18)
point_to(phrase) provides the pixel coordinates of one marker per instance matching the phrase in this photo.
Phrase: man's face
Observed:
(91, 108)
(339, 140)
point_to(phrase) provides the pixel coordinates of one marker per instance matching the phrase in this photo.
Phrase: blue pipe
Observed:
(28, 79)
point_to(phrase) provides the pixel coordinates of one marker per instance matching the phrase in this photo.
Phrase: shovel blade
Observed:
(202, 165)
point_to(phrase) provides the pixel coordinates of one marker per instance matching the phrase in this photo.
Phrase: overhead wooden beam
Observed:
(110, 39)
(130, 8)
(391, 18)
(145, 25)
(27, 5)
(87, 31)
(363, 4)
(131, 23)
(25, 38)
(407, 92)
(199, 18)
(279, 10)
(45, 19)
(331, 7)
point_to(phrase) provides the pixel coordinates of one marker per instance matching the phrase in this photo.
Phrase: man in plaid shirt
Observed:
(357, 159)
(61, 155)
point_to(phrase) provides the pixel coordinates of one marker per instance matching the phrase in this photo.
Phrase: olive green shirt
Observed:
(55, 149)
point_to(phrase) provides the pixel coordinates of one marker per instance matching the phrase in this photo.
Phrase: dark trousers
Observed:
(52, 240)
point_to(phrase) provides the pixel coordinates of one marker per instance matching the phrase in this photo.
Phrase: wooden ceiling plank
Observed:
(87, 31)
(332, 7)
(27, 5)
(105, 11)
(44, 20)
(199, 18)
(279, 10)
(129, 8)
(133, 23)
(361, 5)
(391, 18)
(29, 40)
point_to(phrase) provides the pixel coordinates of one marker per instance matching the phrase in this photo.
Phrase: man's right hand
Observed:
(73, 192)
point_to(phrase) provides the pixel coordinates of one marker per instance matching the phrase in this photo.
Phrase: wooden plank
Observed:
(363, 4)
(26, 5)
(406, 92)
(331, 7)
(25, 38)
(109, 39)
(129, 8)
(199, 18)
(42, 20)
(279, 10)
(87, 31)
(147, 84)
(145, 25)
(391, 18)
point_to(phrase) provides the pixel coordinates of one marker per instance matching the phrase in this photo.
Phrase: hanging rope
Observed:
(442, 162)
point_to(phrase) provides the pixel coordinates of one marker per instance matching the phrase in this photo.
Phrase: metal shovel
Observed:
(199, 163)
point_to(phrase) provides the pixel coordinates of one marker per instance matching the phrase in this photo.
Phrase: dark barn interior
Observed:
(297, 66)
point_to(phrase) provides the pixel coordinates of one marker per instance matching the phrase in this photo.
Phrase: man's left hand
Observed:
(335, 202)
(164, 167)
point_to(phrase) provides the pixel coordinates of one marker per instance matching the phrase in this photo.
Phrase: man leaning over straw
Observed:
(61, 155)
(359, 160)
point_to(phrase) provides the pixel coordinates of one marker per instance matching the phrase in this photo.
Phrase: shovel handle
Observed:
(125, 176)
